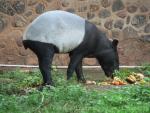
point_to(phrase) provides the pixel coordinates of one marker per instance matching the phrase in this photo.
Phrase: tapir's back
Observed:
(63, 29)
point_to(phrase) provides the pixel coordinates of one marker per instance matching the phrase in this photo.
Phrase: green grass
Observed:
(145, 69)
(123, 73)
(19, 95)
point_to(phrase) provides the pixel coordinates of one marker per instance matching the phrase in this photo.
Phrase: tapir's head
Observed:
(109, 59)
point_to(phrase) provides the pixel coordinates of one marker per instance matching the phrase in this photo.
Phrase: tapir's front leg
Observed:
(79, 72)
(74, 61)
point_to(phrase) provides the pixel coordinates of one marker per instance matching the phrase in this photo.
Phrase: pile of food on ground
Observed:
(134, 78)
(118, 81)
(115, 81)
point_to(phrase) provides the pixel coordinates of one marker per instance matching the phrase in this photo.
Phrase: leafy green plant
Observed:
(123, 73)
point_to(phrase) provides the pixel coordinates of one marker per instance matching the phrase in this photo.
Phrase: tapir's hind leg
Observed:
(45, 61)
(45, 53)
(79, 72)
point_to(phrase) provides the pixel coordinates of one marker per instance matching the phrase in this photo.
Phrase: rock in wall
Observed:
(126, 20)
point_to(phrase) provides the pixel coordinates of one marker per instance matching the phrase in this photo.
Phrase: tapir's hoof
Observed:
(47, 85)
(51, 83)
(40, 88)
(82, 80)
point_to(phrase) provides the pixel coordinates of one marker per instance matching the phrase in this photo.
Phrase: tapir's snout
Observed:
(109, 74)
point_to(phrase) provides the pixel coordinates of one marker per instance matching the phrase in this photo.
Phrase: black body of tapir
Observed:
(63, 32)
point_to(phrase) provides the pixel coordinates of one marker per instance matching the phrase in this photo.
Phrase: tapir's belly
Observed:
(64, 30)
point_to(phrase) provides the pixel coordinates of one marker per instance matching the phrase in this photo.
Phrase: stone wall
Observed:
(126, 20)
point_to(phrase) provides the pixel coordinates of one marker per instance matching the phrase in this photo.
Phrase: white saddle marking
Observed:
(63, 29)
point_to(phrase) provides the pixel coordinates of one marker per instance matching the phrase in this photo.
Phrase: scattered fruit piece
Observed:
(118, 83)
(103, 83)
(139, 76)
(117, 79)
(131, 79)
(115, 83)
(88, 82)
(122, 83)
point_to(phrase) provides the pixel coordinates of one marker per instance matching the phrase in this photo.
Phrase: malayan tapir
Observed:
(63, 32)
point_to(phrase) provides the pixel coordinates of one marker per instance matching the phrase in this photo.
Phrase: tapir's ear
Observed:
(115, 42)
